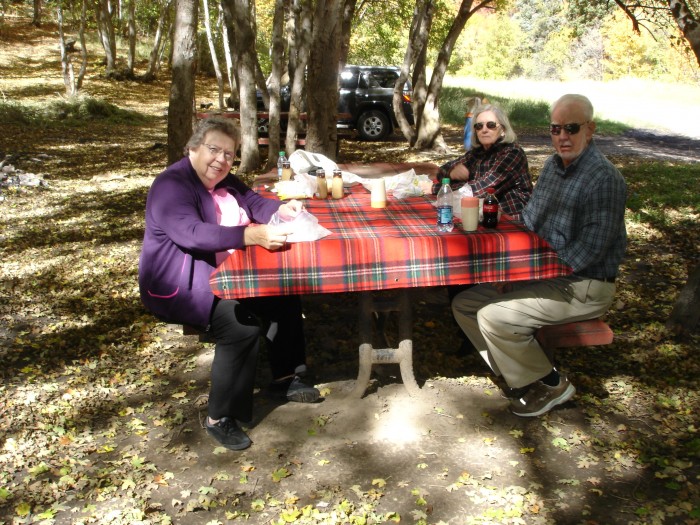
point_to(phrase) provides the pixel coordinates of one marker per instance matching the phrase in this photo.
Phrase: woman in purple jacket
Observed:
(196, 212)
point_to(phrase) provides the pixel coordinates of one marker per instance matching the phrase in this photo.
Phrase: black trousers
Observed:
(236, 327)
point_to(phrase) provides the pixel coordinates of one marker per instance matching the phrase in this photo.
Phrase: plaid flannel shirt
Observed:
(503, 166)
(580, 211)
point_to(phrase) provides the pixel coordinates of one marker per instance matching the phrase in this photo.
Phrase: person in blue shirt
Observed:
(578, 207)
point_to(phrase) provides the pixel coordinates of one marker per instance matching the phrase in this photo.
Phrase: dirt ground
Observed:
(451, 454)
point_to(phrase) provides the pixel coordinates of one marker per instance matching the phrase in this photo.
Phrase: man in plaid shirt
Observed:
(578, 207)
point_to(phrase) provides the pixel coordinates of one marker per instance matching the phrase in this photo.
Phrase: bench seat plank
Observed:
(592, 332)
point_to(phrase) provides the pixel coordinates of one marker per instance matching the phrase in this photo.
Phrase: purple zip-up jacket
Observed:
(181, 240)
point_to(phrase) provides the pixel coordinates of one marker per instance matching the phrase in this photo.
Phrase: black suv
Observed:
(366, 93)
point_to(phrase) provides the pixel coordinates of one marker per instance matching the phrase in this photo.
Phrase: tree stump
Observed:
(686, 312)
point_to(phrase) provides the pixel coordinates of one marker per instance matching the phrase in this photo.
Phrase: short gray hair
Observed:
(579, 100)
(509, 137)
(227, 126)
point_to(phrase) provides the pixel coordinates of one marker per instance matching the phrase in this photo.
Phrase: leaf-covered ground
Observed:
(100, 404)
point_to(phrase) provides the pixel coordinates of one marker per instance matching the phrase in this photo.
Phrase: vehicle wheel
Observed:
(373, 125)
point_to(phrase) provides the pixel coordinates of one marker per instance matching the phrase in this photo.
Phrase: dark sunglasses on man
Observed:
(490, 124)
(571, 129)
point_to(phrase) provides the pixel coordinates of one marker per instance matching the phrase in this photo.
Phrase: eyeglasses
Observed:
(490, 124)
(216, 151)
(571, 129)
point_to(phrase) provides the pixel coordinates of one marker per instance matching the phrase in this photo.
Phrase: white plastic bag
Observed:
(304, 161)
(305, 227)
(406, 184)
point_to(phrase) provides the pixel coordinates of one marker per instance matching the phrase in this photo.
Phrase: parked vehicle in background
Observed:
(367, 94)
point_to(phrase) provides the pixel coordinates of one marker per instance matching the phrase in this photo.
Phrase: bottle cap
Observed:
(490, 190)
(446, 180)
(281, 153)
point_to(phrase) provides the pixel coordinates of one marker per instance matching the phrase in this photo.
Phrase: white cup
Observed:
(378, 198)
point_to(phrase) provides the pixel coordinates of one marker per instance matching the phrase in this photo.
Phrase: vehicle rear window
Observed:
(348, 79)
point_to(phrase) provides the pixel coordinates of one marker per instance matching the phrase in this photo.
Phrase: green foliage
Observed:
(69, 112)
(490, 47)
(655, 188)
(380, 33)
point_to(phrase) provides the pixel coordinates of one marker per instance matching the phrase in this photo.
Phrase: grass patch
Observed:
(67, 113)
(526, 116)
(655, 188)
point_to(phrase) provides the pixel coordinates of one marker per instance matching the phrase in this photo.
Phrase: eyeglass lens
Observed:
(490, 124)
(216, 151)
(571, 129)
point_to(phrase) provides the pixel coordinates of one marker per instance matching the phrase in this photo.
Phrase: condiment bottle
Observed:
(322, 184)
(286, 170)
(337, 188)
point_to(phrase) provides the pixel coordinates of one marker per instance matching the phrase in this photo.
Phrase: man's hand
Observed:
(270, 237)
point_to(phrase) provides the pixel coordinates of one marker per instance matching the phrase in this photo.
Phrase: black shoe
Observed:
(227, 432)
(293, 389)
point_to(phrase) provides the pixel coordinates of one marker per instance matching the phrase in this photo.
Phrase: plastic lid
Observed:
(281, 153)
(490, 190)
(446, 180)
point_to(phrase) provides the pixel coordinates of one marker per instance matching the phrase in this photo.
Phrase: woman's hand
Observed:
(290, 209)
(270, 237)
(459, 172)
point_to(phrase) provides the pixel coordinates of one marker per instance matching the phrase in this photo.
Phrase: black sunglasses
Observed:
(490, 124)
(571, 129)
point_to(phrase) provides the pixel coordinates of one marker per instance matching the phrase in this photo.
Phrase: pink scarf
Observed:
(228, 213)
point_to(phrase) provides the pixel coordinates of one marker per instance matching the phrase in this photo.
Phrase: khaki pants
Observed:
(501, 326)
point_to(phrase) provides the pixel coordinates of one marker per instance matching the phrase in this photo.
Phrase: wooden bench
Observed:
(592, 332)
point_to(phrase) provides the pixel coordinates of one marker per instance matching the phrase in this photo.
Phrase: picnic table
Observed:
(392, 248)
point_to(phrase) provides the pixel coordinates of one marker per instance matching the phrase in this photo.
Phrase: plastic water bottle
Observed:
(444, 207)
(280, 161)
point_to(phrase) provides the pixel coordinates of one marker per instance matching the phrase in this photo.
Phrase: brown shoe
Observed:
(541, 398)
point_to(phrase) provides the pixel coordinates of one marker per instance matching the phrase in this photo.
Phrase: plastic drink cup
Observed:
(470, 213)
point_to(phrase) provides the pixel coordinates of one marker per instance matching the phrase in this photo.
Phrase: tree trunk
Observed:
(36, 18)
(108, 39)
(228, 32)
(83, 46)
(278, 59)
(429, 135)
(66, 64)
(417, 44)
(157, 49)
(425, 97)
(322, 92)
(245, 58)
(182, 92)
(687, 23)
(348, 14)
(686, 312)
(299, 59)
(131, 25)
(212, 52)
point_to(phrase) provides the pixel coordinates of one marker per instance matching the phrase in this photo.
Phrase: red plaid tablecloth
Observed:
(379, 249)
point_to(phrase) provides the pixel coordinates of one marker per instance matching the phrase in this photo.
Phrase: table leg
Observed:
(403, 355)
